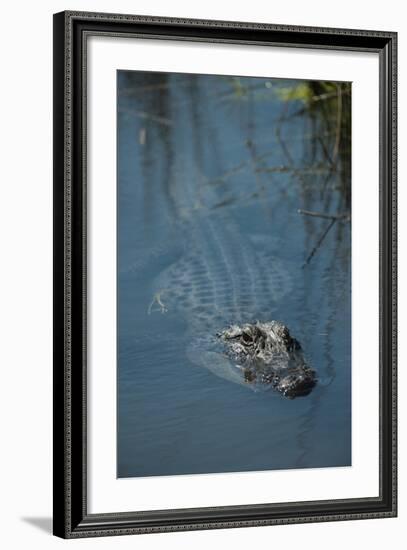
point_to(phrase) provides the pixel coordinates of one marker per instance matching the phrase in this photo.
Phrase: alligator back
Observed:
(222, 278)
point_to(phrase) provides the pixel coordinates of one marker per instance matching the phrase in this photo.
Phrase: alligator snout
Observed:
(298, 384)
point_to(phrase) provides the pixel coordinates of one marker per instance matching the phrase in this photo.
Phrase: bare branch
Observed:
(344, 217)
(320, 241)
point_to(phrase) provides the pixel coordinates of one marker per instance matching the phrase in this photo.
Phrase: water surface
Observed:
(245, 154)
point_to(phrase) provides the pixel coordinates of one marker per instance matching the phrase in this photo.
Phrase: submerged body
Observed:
(227, 279)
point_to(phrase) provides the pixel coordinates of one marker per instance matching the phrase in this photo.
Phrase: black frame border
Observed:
(71, 30)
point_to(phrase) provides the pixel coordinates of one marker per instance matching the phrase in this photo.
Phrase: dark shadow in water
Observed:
(42, 523)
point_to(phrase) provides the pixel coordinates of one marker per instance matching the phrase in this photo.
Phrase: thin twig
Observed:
(287, 154)
(345, 216)
(148, 116)
(326, 153)
(338, 126)
(320, 241)
(333, 217)
(309, 170)
(335, 151)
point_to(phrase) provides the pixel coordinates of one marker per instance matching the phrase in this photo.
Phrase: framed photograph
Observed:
(224, 274)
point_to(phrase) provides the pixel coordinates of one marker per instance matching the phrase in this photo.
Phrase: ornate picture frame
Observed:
(72, 517)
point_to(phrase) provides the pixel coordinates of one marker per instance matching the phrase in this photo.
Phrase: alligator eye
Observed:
(246, 337)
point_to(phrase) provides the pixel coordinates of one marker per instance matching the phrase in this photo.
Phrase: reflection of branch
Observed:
(310, 170)
(314, 99)
(320, 241)
(326, 154)
(335, 152)
(338, 126)
(283, 144)
(222, 178)
(344, 217)
(226, 175)
(148, 116)
(330, 156)
(255, 161)
(332, 217)
(327, 95)
(287, 154)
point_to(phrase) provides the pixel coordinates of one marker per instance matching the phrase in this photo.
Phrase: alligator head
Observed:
(268, 355)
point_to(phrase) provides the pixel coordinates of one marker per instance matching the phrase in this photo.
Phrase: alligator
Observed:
(225, 286)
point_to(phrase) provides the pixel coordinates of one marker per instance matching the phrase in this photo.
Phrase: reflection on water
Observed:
(234, 205)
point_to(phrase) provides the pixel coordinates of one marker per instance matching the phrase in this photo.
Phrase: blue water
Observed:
(193, 148)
